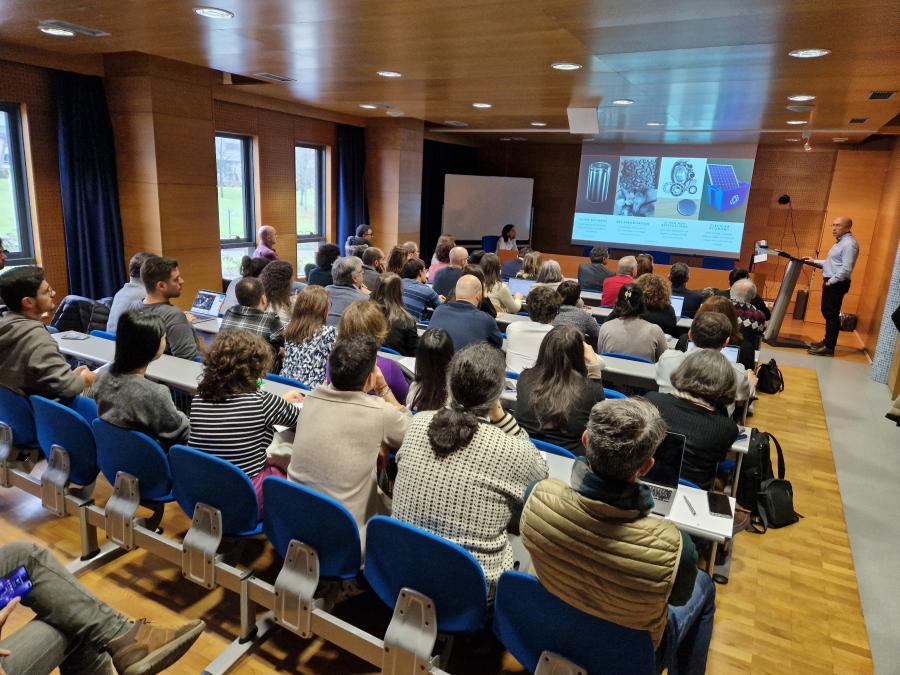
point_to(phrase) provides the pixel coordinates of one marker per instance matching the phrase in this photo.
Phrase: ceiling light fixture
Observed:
(213, 13)
(389, 73)
(654, 124)
(56, 31)
(809, 53)
(840, 140)
(482, 106)
(565, 65)
(796, 122)
(368, 106)
(395, 113)
(792, 140)
(623, 101)
(801, 98)
(456, 123)
(538, 124)
(505, 139)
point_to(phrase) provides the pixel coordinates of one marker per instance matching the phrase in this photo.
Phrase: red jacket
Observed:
(612, 286)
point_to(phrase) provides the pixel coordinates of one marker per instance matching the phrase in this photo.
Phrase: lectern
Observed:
(788, 282)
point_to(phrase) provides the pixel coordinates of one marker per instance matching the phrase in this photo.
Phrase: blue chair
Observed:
(66, 427)
(399, 555)
(288, 381)
(552, 448)
(489, 243)
(687, 483)
(15, 412)
(200, 477)
(103, 334)
(627, 357)
(296, 512)
(512, 375)
(135, 453)
(612, 393)
(388, 350)
(52, 330)
(530, 620)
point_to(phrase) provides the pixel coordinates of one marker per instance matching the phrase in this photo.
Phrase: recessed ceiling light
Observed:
(801, 98)
(840, 140)
(538, 124)
(368, 106)
(456, 123)
(565, 65)
(395, 113)
(213, 13)
(622, 101)
(654, 124)
(796, 122)
(56, 31)
(792, 140)
(481, 105)
(389, 73)
(809, 53)
(505, 139)
(807, 147)
(520, 138)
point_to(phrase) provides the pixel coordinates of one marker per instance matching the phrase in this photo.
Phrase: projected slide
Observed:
(675, 203)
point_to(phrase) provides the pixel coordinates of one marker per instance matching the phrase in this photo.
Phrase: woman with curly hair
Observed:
(231, 417)
(658, 302)
(320, 275)
(277, 280)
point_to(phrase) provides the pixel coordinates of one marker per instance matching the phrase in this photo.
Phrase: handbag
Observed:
(769, 378)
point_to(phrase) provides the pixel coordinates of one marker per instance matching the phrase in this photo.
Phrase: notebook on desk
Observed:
(662, 479)
(207, 304)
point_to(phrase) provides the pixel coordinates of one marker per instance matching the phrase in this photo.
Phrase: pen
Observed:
(690, 506)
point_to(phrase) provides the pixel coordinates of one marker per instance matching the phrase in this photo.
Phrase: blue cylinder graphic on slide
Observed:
(598, 182)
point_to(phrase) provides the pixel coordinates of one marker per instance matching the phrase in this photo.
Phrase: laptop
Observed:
(662, 479)
(207, 304)
(522, 286)
(730, 353)
(677, 304)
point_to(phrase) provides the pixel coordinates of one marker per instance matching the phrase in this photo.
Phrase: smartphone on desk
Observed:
(14, 585)
(719, 505)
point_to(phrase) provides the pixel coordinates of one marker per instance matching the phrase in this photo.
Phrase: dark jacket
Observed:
(692, 300)
(403, 339)
(319, 277)
(511, 268)
(664, 318)
(81, 314)
(466, 324)
(445, 280)
(592, 275)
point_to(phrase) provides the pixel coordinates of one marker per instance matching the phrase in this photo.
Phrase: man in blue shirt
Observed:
(416, 294)
(836, 270)
(461, 318)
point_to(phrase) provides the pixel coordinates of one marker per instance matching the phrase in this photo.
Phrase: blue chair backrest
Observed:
(685, 481)
(272, 377)
(627, 357)
(200, 477)
(512, 375)
(552, 448)
(489, 243)
(16, 412)
(133, 452)
(612, 393)
(296, 512)
(388, 350)
(529, 620)
(399, 555)
(106, 335)
(65, 426)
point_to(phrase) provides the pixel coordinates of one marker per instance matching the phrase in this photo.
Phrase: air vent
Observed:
(272, 77)
(881, 95)
(74, 27)
(858, 120)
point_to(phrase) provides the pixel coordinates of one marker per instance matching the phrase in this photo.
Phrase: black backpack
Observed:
(770, 379)
(770, 500)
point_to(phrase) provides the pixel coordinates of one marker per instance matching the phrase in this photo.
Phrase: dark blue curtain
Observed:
(352, 210)
(90, 191)
(439, 159)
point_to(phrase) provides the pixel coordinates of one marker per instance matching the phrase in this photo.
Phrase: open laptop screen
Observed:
(668, 456)
(207, 303)
(730, 353)
(522, 286)
(677, 304)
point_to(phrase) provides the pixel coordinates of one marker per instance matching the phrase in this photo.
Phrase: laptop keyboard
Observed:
(661, 494)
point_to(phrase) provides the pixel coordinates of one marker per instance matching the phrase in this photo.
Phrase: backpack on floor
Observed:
(769, 378)
(769, 499)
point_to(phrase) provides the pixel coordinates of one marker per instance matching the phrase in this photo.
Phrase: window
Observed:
(234, 180)
(310, 186)
(15, 217)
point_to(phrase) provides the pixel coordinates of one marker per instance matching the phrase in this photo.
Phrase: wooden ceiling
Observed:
(709, 70)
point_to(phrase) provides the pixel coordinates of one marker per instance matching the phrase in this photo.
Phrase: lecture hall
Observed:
(471, 338)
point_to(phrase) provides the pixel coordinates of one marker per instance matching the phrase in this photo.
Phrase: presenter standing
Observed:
(507, 241)
(836, 270)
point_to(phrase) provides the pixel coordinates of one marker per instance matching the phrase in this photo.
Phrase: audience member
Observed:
(250, 313)
(357, 251)
(634, 570)
(572, 312)
(550, 274)
(737, 274)
(347, 287)
(125, 397)
(751, 320)
(131, 293)
(402, 334)
(362, 237)
(486, 305)
(417, 295)
(718, 304)
(475, 257)
(498, 292)
(321, 274)
(462, 470)
(231, 417)
(428, 390)
(445, 279)
(629, 333)
(511, 268)
(277, 280)
(507, 241)
(163, 282)
(250, 267)
(344, 433)
(679, 274)
(399, 255)
(612, 285)
(658, 302)
(704, 386)
(266, 237)
(554, 398)
(366, 318)
(462, 319)
(307, 340)
(644, 264)
(523, 338)
(441, 256)
(75, 632)
(591, 275)
(30, 361)
(412, 248)
(531, 265)
(373, 267)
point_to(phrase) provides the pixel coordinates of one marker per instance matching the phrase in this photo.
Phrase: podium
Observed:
(785, 293)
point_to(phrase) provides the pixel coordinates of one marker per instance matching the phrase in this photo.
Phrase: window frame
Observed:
(320, 191)
(19, 177)
(249, 239)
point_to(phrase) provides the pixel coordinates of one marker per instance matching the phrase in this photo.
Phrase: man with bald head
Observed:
(266, 237)
(461, 318)
(445, 279)
(836, 270)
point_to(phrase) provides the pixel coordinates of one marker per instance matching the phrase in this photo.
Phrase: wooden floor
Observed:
(791, 605)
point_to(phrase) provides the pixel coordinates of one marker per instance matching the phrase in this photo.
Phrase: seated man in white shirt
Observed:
(524, 337)
(710, 330)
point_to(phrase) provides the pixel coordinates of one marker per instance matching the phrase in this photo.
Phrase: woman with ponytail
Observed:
(463, 470)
